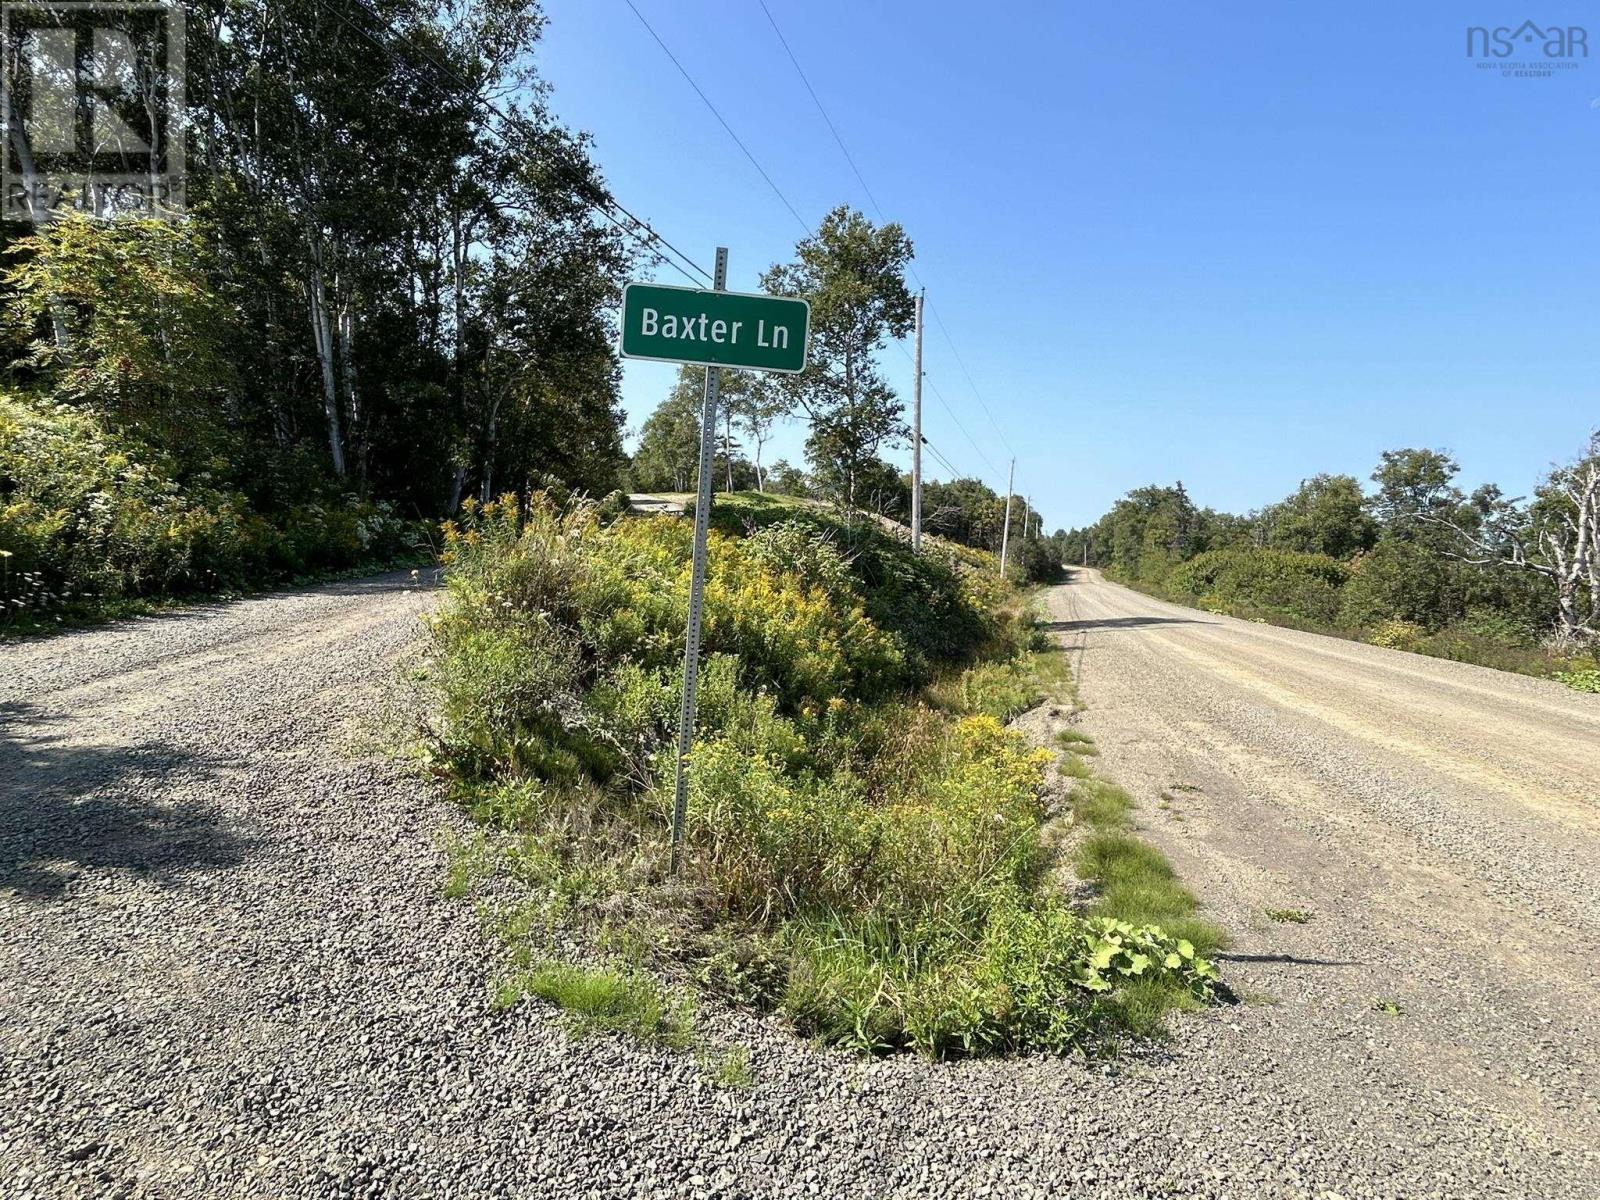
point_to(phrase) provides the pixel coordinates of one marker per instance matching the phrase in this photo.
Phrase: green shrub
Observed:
(1398, 635)
(996, 689)
(773, 842)
(1300, 585)
(944, 605)
(1401, 581)
(89, 517)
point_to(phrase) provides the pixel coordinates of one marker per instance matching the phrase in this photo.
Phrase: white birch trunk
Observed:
(322, 335)
(347, 363)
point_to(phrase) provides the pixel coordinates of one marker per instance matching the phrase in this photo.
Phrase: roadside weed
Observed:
(865, 845)
(1073, 767)
(468, 861)
(1580, 681)
(1289, 916)
(605, 999)
(729, 1069)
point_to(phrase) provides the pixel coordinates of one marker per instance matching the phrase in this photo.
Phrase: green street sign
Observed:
(714, 329)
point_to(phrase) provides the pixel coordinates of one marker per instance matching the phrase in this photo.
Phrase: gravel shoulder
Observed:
(226, 967)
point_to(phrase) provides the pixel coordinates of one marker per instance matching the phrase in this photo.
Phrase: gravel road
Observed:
(226, 967)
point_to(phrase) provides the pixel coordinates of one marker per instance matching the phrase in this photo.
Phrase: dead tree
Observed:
(1558, 536)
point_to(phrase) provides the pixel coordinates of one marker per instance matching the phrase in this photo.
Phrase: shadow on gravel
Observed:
(1224, 956)
(427, 579)
(67, 808)
(1119, 623)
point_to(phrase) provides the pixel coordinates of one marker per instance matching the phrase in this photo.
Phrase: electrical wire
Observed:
(939, 321)
(939, 396)
(706, 100)
(955, 471)
(826, 118)
(839, 140)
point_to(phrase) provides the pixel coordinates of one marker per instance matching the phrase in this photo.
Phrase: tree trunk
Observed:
(459, 482)
(491, 436)
(1571, 629)
(347, 361)
(850, 463)
(323, 336)
(37, 208)
(1588, 533)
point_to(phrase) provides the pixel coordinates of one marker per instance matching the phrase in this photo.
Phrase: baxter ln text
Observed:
(691, 329)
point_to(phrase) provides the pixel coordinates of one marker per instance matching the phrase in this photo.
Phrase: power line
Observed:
(605, 199)
(879, 210)
(971, 382)
(738, 141)
(945, 404)
(777, 191)
(826, 118)
(955, 472)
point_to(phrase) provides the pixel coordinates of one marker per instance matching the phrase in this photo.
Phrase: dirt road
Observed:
(1441, 823)
(227, 968)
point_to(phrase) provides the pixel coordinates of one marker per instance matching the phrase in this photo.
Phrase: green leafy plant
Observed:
(1397, 635)
(1241, 580)
(730, 1069)
(863, 860)
(1581, 681)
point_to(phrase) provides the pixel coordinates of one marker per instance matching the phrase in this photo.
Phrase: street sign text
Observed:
(714, 329)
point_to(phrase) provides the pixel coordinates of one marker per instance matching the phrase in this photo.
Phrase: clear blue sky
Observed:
(1234, 245)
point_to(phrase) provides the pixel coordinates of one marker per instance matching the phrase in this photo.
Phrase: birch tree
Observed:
(853, 273)
(1556, 536)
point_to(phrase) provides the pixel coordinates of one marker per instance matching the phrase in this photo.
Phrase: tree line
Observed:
(395, 260)
(1412, 559)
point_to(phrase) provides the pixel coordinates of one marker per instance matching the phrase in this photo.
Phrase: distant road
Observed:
(1440, 821)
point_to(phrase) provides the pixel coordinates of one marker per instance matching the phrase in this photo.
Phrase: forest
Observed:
(1413, 562)
(390, 290)
(394, 288)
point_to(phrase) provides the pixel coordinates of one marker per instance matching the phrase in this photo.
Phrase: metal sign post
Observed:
(713, 329)
(697, 585)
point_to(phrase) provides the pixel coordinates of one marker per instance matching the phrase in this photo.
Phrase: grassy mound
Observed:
(864, 834)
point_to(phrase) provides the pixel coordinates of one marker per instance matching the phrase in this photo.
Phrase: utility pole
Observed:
(697, 582)
(1005, 533)
(916, 441)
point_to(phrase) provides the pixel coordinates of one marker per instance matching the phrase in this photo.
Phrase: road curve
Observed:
(1440, 821)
